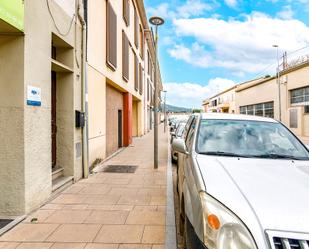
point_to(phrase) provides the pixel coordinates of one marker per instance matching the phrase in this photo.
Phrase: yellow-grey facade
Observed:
(40, 86)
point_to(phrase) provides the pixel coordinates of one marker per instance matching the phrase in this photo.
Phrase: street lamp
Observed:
(278, 80)
(164, 110)
(156, 21)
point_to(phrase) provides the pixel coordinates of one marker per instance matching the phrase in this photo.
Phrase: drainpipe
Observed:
(84, 95)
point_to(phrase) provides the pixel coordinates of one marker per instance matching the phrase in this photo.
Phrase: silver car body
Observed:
(271, 197)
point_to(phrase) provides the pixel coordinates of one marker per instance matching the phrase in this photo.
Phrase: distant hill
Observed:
(172, 108)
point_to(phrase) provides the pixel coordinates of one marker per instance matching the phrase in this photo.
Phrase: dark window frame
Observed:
(111, 37)
(125, 57)
(126, 11)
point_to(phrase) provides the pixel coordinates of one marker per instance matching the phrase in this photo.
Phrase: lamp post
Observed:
(156, 21)
(164, 110)
(278, 80)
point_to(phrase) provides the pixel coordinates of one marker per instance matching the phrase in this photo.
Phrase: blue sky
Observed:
(209, 45)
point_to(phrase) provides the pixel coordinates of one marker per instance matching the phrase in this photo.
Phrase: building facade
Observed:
(262, 98)
(120, 75)
(41, 71)
(222, 102)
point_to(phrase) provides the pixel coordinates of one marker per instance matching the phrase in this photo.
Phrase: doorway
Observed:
(54, 118)
(119, 128)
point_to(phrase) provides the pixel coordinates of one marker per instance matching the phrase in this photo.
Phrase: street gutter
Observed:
(170, 225)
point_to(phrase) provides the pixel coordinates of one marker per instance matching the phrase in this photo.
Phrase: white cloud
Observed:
(231, 3)
(189, 9)
(241, 46)
(191, 95)
(193, 8)
(286, 12)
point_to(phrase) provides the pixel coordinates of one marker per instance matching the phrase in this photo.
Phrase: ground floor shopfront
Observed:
(40, 92)
(115, 116)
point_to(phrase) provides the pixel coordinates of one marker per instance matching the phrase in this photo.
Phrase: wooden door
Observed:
(119, 128)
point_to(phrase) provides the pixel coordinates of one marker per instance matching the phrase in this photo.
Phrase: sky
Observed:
(206, 46)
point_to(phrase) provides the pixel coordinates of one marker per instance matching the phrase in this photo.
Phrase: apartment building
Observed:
(41, 85)
(222, 102)
(261, 97)
(120, 74)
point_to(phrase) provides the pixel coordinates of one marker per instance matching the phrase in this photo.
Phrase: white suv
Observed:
(243, 184)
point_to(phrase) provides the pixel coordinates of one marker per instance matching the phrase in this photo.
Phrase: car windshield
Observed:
(180, 129)
(245, 138)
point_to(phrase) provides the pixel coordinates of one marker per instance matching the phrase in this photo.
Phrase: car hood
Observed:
(273, 194)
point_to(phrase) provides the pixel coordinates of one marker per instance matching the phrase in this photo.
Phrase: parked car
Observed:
(177, 134)
(243, 183)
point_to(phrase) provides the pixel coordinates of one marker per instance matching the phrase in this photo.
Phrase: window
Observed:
(190, 136)
(263, 109)
(111, 37)
(135, 72)
(140, 79)
(136, 27)
(141, 41)
(293, 118)
(125, 56)
(148, 89)
(300, 95)
(126, 11)
(259, 110)
(243, 110)
(148, 62)
(306, 109)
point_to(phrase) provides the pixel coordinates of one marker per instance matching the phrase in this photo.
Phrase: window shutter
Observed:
(141, 37)
(111, 25)
(126, 11)
(140, 79)
(136, 27)
(148, 89)
(125, 56)
(148, 62)
(135, 72)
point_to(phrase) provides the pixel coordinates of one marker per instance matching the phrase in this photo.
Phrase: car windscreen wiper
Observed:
(222, 153)
(279, 156)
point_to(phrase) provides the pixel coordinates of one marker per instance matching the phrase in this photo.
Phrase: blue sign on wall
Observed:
(34, 96)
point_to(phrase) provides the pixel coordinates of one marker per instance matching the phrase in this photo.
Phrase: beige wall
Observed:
(25, 165)
(99, 72)
(97, 114)
(12, 174)
(261, 93)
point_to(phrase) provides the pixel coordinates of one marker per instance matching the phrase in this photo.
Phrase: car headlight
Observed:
(222, 229)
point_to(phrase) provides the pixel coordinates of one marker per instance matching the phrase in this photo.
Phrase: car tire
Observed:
(187, 235)
(190, 239)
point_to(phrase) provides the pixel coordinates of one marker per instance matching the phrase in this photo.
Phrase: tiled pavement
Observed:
(106, 211)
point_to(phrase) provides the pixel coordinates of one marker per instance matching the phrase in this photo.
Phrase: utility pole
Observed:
(164, 111)
(156, 21)
(278, 80)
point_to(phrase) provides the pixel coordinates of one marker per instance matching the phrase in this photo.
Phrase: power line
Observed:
(56, 26)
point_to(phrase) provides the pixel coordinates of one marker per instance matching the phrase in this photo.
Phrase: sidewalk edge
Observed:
(170, 229)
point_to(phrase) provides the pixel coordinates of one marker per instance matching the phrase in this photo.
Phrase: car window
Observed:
(180, 130)
(190, 136)
(186, 129)
(249, 138)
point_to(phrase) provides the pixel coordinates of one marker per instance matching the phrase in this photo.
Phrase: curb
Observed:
(170, 225)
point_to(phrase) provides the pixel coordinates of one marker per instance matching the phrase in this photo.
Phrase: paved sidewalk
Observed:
(108, 210)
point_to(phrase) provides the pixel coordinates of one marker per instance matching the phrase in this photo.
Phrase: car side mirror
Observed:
(179, 145)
